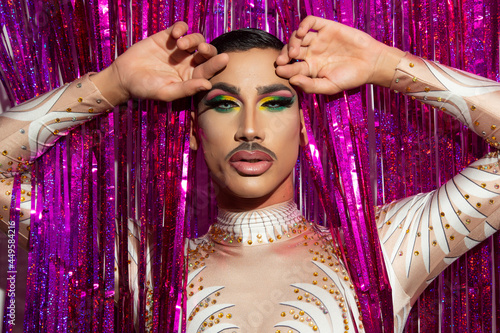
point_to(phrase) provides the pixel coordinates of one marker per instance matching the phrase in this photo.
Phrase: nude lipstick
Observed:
(251, 163)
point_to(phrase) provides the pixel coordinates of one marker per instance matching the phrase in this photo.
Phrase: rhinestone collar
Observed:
(261, 226)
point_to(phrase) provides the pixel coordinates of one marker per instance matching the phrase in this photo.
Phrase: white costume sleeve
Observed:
(423, 234)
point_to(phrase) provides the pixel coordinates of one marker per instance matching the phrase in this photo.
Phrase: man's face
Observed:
(250, 128)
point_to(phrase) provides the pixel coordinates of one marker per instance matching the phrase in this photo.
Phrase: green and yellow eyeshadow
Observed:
(223, 103)
(276, 103)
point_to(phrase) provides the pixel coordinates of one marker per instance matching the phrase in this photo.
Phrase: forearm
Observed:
(6, 186)
(471, 99)
(423, 234)
(29, 129)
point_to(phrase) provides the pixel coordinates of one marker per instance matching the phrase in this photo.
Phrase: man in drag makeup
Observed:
(262, 267)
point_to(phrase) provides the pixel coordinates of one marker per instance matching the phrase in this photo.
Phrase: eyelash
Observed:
(281, 102)
(223, 104)
(216, 103)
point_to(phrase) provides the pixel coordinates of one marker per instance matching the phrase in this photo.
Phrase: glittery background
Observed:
(133, 166)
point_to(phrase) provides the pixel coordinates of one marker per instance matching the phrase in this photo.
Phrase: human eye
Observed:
(276, 103)
(223, 103)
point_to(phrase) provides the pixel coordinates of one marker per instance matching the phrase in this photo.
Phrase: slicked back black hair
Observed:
(246, 39)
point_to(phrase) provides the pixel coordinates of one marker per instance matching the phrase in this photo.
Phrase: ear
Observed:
(304, 139)
(193, 131)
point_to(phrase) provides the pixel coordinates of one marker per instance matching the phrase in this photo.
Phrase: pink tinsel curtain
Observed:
(133, 166)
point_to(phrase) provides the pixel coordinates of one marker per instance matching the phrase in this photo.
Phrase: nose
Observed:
(250, 126)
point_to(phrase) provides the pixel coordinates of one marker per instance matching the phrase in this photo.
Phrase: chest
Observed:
(296, 285)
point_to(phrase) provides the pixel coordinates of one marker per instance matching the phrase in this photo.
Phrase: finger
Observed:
(283, 57)
(178, 29)
(293, 45)
(301, 54)
(296, 68)
(190, 42)
(178, 90)
(211, 66)
(314, 86)
(310, 23)
(205, 52)
(296, 44)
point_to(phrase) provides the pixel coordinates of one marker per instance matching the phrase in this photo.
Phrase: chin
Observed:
(256, 189)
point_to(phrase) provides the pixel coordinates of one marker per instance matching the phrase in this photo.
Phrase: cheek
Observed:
(210, 132)
(284, 128)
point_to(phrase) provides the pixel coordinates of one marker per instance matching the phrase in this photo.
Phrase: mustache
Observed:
(251, 146)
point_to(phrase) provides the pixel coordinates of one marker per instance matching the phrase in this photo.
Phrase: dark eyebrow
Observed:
(226, 87)
(273, 88)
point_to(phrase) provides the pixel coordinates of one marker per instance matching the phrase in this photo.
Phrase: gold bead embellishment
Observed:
(91, 110)
(57, 120)
(4, 153)
(68, 109)
(476, 123)
(467, 221)
(414, 79)
(442, 214)
(80, 99)
(473, 107)
(447, 226)
(452, 237)
(491, 201)
(478, 205)
(434, 243)
(408, 89)
(416, 253)
(493, 127)
(250, 242)
(412, 65)
(56, 132)
(427, 89)
(466, 196)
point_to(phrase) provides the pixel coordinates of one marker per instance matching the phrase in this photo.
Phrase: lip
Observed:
(251, 163)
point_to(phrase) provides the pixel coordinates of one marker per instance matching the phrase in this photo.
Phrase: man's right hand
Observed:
(165, 66)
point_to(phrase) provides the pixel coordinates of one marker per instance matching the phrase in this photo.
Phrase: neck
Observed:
(260, 226)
